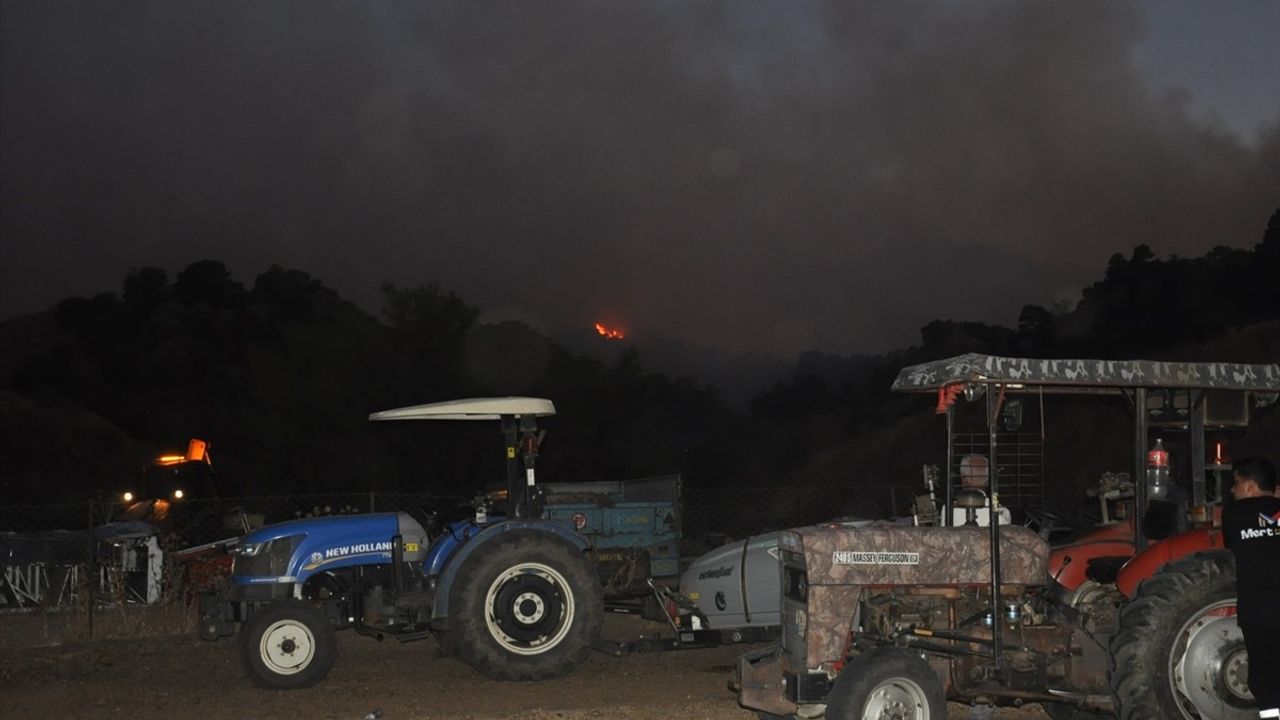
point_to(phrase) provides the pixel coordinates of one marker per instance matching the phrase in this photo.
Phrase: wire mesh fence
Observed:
(96, 553)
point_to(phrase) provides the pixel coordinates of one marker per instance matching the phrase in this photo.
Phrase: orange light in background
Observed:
(610, 333)
(170, 459)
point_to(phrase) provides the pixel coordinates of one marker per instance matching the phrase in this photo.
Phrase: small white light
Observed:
(177, 494)
(127, 497)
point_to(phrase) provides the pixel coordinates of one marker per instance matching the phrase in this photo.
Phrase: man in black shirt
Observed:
(1251, 528)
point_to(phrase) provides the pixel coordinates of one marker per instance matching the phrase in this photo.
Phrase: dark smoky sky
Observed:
(759, 177)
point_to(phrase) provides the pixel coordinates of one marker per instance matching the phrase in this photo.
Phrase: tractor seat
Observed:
(970, 499)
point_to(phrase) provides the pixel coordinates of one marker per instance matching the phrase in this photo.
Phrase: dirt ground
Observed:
(145, 678)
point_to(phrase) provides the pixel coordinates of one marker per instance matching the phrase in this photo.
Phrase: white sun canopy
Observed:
(471, 409)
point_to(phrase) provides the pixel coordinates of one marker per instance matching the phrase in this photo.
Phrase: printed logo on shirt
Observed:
(1267, 527)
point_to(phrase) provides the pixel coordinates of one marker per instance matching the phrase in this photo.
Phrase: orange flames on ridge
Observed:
(609, 333)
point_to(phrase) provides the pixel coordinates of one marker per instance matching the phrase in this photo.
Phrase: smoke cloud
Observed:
(760, 177)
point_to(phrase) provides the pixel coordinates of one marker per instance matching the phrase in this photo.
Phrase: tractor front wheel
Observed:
(525, 607)
(288, 645)
(1179, 654)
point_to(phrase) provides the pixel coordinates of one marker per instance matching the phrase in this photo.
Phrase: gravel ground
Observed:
(142, 678)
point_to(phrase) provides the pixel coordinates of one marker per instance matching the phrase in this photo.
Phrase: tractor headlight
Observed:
(267, 559)
(177, 494)
(127, 497)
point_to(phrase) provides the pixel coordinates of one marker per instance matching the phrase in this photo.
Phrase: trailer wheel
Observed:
(288, 645)
(525, 607)
(887, 682)
(1179, 654)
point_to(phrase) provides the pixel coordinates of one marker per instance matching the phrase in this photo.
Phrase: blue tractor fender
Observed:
(561, 529)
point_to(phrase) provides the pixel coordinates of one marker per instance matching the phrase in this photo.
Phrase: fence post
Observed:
(372, 505)
(93, 570)
(893, 501)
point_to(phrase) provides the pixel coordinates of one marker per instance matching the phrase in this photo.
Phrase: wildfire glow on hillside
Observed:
(610, 333)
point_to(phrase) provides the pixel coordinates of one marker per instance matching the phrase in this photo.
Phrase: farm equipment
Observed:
(632, 528)
(735, 589)
(122, 559)
(883, 621)
(176, 495)
(514, 595)
(172, 477)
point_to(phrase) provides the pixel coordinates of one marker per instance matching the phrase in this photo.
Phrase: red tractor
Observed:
(1176, 650)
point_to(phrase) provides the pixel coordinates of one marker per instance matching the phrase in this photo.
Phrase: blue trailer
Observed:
(632, 528)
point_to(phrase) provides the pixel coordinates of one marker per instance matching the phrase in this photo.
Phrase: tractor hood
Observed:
(293, 551)
(889, 555)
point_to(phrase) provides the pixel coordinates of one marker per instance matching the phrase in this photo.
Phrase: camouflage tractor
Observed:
(886, 621)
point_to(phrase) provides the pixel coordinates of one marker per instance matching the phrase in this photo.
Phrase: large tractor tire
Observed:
(288, 645)
(887, 682)
(1179, 654)
(526, 606)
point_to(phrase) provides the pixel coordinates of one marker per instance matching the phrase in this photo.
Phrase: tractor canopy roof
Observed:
(471, 409)
(1075, 375)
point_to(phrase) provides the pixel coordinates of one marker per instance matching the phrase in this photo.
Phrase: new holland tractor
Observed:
(889, 621)
(513, 595)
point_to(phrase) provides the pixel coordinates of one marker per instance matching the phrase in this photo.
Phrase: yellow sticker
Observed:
(411, 547)
(511, 453)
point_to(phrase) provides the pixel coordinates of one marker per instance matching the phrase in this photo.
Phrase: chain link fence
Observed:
(97, 554)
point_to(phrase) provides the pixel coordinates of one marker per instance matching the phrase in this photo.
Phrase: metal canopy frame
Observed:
(1075, 375)
(518, 417)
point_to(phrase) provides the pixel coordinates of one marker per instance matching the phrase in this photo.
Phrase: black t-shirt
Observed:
(1251, 528)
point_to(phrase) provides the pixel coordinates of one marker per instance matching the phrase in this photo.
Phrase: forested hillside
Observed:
(281, 373)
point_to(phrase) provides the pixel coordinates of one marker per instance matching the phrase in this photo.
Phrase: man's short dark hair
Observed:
(1257, 469)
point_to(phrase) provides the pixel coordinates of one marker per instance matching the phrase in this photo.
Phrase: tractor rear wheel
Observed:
(1179, 654)
(288, 645)
(887, 682)
(525, 607)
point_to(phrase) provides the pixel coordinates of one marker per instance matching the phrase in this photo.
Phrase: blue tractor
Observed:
(513, 594)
